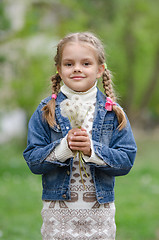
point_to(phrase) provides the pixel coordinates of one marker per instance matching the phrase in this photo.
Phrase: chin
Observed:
(80, 90)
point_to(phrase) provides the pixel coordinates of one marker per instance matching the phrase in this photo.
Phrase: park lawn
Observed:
(137, 194)
(20, 196)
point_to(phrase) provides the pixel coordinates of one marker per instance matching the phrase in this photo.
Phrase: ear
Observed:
(101, 69)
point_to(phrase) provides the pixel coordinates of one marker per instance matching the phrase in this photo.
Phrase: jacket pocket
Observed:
(107, 130)
(56, 133)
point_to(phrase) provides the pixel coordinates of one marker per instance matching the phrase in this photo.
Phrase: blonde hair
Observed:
(93, 41)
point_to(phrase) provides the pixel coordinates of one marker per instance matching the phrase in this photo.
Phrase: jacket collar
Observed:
(99, 116)
(101, 99)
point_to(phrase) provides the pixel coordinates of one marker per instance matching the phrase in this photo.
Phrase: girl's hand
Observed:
(78, 140)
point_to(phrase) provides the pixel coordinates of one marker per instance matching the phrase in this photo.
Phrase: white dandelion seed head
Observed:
(76, 98)
(90, 107)
(75, 123)
(75, 110)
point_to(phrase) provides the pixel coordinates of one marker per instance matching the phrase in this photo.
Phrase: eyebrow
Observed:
(87, 59)
(67, 59)
(84, 59)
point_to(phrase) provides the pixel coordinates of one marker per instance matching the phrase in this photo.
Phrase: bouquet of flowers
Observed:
(76, 110)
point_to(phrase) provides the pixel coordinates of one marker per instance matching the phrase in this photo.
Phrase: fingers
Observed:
(78, 140)
(76, 132)
(85, 148)
(79, 145)
(78, 135)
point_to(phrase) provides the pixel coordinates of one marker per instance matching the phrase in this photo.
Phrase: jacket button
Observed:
(64, 196)
(68, 172)
(100, 198)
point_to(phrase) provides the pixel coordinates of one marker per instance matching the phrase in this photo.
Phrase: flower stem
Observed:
(80, 170)
(83, 165)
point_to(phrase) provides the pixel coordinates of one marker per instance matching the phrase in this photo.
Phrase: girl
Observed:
(78, 162)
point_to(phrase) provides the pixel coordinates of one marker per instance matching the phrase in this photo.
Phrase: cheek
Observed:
(63, 73)
(66, 71)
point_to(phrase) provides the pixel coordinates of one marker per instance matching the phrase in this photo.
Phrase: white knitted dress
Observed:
(82, 217)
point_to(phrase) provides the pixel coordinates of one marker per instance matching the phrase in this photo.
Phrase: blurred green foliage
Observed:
(128, 29)
(4, 22)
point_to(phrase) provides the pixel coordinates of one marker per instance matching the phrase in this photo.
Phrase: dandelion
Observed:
(76, 110)
(76, 98)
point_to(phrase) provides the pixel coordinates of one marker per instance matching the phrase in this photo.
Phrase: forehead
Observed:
(79, 49)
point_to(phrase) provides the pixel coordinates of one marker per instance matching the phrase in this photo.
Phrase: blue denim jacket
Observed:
(116, 148)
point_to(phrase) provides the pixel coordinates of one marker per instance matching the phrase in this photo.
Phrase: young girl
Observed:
(79, 140)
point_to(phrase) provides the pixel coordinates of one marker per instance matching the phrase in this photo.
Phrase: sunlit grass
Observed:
(137, 196)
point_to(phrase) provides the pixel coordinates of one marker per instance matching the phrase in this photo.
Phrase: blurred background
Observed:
(29, 33)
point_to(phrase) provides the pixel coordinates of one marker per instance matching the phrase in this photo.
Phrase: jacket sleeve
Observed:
(39, 145)
(120, 154)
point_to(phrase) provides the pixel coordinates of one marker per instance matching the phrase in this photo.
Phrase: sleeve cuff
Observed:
(62, 151)
(93, 158)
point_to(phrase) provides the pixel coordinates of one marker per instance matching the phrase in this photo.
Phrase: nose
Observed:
(77, 68)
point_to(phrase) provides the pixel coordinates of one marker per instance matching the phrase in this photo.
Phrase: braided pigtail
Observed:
(49, 109)
(108, 88)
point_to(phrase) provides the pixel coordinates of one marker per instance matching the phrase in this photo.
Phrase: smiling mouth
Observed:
(77, 77)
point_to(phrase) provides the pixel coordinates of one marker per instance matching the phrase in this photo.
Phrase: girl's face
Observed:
(79, 66)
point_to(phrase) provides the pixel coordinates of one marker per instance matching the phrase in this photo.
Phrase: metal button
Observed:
(68, 172)
(100, 198)
(64, 196)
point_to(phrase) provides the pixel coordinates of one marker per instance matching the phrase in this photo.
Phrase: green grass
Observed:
(20, 196)
(137, 196)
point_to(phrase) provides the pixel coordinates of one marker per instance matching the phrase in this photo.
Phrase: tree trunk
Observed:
(152, 84)
(129, 41)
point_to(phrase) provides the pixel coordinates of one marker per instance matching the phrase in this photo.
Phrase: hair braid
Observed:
(49, 109)
(109, 91)
(107, 85)
(55, 79)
